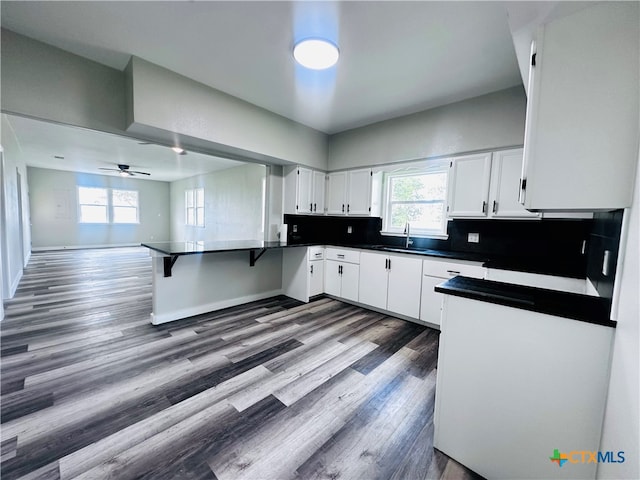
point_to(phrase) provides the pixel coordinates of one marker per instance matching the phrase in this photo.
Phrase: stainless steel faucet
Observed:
(407, 232)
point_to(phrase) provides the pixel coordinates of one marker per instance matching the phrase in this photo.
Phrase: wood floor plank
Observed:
(274, 389)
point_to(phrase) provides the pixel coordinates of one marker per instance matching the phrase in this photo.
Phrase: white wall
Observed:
(481, 123)
(622, 417)
(45, 82)
(56, 226)
(14, 218)
(166, 101)
(233, 205)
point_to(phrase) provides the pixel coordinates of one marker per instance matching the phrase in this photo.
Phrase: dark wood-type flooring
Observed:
(274, 389)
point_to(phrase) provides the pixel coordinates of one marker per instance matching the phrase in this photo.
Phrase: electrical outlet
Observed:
(473, 238)
(295, 229)
(349, 229)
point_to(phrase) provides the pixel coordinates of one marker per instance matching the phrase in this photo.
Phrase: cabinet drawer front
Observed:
(449, 268)
(316, 253)
(343, 255)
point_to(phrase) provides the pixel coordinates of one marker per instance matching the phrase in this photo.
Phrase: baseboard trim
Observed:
(83, 247)
(210, 307)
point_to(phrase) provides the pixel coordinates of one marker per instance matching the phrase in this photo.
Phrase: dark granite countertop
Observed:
(562, 304)
(195, 247)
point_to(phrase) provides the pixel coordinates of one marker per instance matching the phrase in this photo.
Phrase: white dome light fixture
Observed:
(316, 53)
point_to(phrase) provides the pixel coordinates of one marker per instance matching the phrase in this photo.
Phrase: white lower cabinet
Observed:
(303, 272)
(391, 282)
(342, 273)
(436, 271)
(521, 383)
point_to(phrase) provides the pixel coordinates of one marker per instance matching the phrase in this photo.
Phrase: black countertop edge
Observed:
(192, 248)
(584, 308)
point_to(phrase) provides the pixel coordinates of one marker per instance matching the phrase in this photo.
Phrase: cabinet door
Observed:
(431, 301)
(405, 274)
(316, 278)
(305, 186)
(373, 279)
(337, 193)
(359, 192)
(469, 185)
(350, 281)
(319, 186)
(332, 278)
(506, 168)
(581, 135)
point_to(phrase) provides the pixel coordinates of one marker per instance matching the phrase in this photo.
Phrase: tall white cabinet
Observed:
(582, 122)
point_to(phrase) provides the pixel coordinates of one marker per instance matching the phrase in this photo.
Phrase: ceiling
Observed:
(87, 151)
(396, 57)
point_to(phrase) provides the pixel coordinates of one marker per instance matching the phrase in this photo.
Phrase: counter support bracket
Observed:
(168, 264)
(253, 258)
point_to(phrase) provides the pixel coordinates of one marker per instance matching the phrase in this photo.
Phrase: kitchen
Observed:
(487, 125)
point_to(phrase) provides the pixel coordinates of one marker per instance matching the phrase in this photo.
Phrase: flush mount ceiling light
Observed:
(177, 149)
(316, 53)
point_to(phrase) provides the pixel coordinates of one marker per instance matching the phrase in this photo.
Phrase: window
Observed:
(125, 206)
(94, 205)
(194, 207)
(417, 197)
(103, 205)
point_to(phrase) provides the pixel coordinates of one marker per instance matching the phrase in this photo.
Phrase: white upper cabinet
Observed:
(469, 186)
(337, 193)
(506, 168)
(581, 136)
(349, 193)
(304, 190)
(487, 186)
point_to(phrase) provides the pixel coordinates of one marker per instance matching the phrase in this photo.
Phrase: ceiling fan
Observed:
(124, 171)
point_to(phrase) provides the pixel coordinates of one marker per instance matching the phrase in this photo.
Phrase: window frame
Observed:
(198, 209)
(429, 167)
(113, 206)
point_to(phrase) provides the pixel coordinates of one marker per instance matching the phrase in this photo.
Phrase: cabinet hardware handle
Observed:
(340, 255)
(343, 208)
(484, 207)
(389, 264)
(495, 207)
(318, 255)
(453, 272)
(311, 207)
(386, 263)
(340, 270)
(311, 269)
(315, 207)
(348, 208)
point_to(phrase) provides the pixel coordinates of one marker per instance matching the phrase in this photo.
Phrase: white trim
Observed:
(15, 283)
(210, 307)
(84, 247)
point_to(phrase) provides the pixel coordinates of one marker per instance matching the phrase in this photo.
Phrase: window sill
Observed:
(433, 236)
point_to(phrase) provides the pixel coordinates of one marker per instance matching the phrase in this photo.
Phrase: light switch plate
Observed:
(473, 238)
(295, 229)
(349, 229)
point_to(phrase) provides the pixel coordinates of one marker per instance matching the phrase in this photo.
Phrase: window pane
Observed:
(200, 217)
(190, 216)
(125, 215)
(93, 214)
(125, 198)
(92, 196)
(189, 198)
(200, 197)
(428, 186)
(422, 217)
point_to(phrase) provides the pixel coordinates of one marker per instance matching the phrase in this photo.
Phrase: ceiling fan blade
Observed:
(140, 173)
(110, 169)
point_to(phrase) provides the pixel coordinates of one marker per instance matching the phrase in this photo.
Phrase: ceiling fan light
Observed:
(316, 53)
(122, 173)
(177, 149)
